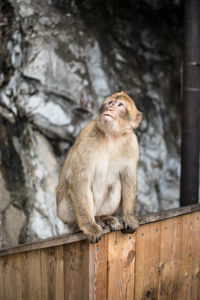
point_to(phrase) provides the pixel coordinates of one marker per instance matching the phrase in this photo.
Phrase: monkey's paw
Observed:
(109, 221)
(130, 224)
(100, 222)
(93, 233)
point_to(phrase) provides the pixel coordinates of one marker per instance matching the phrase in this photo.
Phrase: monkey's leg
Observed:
(73, 227)
(110, 221)
(65, 208)
(111, 204)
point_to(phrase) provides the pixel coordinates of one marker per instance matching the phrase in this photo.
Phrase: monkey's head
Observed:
(119, 114)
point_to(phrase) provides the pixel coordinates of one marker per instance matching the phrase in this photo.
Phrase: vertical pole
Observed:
(191, 105)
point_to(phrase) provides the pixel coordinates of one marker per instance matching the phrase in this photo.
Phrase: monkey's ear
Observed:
(137, 120)
(124, 93)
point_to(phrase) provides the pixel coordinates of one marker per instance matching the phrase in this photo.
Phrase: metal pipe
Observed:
(191, 105)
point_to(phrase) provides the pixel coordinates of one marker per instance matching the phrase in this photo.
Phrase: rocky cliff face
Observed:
(59, 60)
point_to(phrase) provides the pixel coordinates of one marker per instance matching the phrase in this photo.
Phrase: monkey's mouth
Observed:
(107, 115)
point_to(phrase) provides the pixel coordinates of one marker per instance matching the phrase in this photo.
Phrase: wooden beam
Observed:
(160, 261)
(70, 238)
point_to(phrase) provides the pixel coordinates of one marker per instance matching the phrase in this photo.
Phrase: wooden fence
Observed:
(160, 261)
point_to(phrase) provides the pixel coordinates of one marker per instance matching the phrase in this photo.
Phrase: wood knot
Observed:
(130, 256)
(198, 275)
(148, 294)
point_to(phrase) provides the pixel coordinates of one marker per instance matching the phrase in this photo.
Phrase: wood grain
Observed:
(1, 280)
(170, 259)
(52, 273)
(59, 273)
(121, 263)
(161, 261)
(76, 271)
(147, 261)
(195, 287)
(190, 249)
(101, 269)
(31, 275)
(11, 278)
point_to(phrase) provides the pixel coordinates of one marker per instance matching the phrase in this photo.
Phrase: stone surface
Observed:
(59, 60)
(43, 220)
(4, 195)
(15, 221)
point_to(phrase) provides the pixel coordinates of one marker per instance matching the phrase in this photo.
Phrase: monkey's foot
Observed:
(100, 222)
(110, 221)
(93, 239)
(93, 233)
(130, 224)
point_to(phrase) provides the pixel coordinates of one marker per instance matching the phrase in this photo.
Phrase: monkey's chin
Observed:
(107, 119)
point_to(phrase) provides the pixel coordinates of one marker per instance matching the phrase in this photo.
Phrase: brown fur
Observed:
(100, 171)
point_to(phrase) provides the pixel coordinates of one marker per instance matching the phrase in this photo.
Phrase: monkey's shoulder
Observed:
(130, 140)
(88, 135)
(85, 143)
(90, 130)
(130, 146)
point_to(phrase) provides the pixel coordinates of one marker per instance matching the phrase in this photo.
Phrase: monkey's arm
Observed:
(82, 199)
(81, 164)
(128, 181)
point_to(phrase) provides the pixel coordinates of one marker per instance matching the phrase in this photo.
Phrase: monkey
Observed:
(99, 173)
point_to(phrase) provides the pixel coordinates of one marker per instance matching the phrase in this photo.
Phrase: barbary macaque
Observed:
(99, 173)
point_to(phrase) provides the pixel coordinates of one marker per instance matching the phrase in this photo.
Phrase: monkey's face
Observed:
(119, 114)
(114, 109)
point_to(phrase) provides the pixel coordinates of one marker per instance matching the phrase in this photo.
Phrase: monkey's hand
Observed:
(93, 233)
(130, 224)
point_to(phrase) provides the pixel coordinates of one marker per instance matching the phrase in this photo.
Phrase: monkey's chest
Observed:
(106, 177)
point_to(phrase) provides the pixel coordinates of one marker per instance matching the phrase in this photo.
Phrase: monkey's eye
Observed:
(110, 102)
(121, 104)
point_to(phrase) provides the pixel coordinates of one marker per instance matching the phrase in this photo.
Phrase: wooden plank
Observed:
(59, 273)
(167, 266)
(195, 286)
(11, 278)
(31, 275)
(76, 271)
(52, 273)
(45, 243)
(196, 258)
(170, 259)
(67, 238)
(186, 253)
(91, 270)
(147, 261)
(190, 249)
(1, 279)
(168, 214)
(121, 262)
(100, 269)
(19, 277)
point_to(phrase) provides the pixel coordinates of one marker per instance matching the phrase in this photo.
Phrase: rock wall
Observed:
(59, 60)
